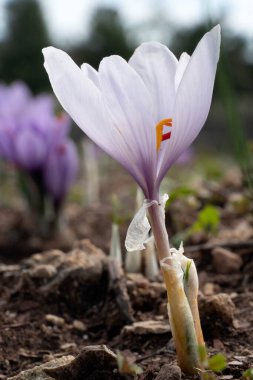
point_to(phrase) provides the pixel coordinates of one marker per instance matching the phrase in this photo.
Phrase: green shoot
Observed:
(215, 363)
(208, 220)
(248, 374)
(187, 271)
(179, 193)
(127, 368)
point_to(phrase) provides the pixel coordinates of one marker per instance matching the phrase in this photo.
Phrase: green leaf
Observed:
(217, 363)
(180, 192)
(248, 374)
(208, 220)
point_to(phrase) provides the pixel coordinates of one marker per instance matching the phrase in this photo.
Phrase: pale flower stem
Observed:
(157, 221)
(180, 315)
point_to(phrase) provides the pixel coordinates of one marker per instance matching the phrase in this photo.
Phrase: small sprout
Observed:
(187, 270)
(248, 374)
(208, 220)
(179, 193)
(217, 363)
(126, 367)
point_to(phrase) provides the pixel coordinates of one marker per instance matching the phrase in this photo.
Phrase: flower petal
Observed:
(130, 107)
(193, 99)
(156, 64)
(91, 73)
(83, 101)
(30, 149)
(60, 169)
(182, 64)
(77, 94)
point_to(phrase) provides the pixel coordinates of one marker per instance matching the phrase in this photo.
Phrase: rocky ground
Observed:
(67, 306)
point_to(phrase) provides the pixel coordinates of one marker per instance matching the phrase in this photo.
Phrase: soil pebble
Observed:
(225, 261)
(147, 327)
(169, 372)
(38, 372)
(94, 362)
(217, 314)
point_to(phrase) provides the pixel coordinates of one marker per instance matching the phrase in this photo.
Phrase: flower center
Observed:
(159, 132)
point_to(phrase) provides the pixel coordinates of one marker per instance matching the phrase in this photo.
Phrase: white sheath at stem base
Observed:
(180, 316)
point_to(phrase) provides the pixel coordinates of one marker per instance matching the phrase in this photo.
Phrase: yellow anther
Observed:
(159, 132)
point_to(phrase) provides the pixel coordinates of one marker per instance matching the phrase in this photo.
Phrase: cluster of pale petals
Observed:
(120, 105)
(35, 140)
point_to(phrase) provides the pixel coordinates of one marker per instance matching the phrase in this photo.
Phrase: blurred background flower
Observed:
(35, 141)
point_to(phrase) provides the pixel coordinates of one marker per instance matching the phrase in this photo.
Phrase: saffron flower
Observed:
(145, 113)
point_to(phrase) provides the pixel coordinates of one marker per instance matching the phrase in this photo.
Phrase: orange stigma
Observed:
(159, 132)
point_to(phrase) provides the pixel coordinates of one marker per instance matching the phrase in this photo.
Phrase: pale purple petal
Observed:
(13, 99)
(83, 101)
(130, 107)
(193, 100)
(91, 73)
(185, 157)
(61, 169)
(7, 151)
(182, 64)
(157, 65)
(30, 150)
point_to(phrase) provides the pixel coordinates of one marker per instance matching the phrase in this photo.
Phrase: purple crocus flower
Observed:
(145, 112)
(13, 100)
(35, 140)
(29, 128)
(60, 169)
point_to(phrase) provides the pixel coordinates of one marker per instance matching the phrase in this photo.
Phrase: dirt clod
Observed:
(225, 261)
(39, 372)
(169, 372)
(147, 327)
(217, 313)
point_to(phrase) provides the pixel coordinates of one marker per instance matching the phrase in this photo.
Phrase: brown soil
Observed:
(51, 306)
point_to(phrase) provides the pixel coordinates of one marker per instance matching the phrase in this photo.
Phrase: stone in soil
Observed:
(225, 261)
(169, 372)
(74, 283)
(94, 362)
(217, 314)
(147, 327)
(38, 372)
